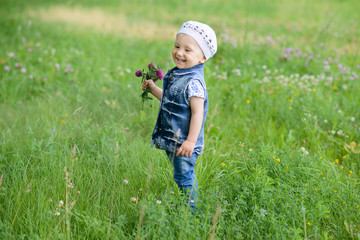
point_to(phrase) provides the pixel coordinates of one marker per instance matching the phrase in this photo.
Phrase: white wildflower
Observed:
(304, 151)
(158, 202)
(61, 203)
(263, 212)
(125, 181)
(57, 213)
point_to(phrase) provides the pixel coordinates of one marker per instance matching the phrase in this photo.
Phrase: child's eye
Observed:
(187, 50)
(176, 46)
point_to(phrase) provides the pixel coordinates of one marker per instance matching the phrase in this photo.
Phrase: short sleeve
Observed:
(195, 89)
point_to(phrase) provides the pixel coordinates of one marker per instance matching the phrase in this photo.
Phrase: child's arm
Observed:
(155, 90)
(197, 114)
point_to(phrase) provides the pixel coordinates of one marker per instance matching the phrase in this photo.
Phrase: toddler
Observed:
(179, 128)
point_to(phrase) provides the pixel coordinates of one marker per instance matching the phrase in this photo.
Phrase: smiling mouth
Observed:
(180, 60)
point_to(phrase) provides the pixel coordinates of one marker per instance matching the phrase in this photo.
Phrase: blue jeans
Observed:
(184, 175)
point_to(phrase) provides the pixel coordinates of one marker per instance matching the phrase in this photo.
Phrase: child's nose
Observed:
(180, 52)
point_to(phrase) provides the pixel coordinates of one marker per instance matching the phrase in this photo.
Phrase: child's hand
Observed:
(186, 149)
(148, 83)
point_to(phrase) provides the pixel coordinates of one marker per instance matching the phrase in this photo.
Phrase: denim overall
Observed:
(173, 122)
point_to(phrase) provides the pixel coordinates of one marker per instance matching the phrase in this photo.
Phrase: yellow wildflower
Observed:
(247, 101)
(314, 90)
(290, 108)
(66, 115)
(278, 159)
(308, 223)
(290, 100)
(223, 164)
(236, 171)
(335, 87)
(315, 189)
(352, 147)
(337, 160)
(350, 172)
(63, 121)
(335, 191)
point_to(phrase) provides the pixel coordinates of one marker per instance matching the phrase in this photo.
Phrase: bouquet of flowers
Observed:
(154, 74)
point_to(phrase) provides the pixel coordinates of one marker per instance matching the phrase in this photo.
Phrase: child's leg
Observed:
(184, 175)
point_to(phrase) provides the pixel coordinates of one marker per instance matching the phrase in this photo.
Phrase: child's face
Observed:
(186, 52)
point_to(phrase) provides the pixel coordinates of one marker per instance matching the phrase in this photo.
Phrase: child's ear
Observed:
(203, 60)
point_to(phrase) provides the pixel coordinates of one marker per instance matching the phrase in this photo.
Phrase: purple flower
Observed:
(160, 74)
(53, 130)
(138, 73)
(7, 68)
(23, 70)
(336, 106)
(17, 65)
(149, 65)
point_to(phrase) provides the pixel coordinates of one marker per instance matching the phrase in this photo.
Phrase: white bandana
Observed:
(203, 35)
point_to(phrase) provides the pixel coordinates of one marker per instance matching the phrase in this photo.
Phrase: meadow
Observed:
(282, 152)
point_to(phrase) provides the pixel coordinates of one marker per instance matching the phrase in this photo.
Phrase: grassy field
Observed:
(282, 154)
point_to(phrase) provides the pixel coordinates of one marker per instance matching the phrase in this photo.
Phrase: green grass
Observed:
(282, 110)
